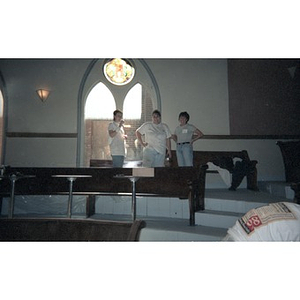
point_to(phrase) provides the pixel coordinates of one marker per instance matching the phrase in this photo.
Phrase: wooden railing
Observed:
(185, 183)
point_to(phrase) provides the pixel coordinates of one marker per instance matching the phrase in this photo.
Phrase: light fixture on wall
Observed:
(43, 94)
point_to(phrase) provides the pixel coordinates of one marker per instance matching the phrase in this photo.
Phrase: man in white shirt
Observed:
(156, 140)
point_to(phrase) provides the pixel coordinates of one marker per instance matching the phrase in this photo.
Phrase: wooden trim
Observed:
(252, 137)
(40, 135)
(205, 137)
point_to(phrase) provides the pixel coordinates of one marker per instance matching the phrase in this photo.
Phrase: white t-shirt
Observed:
(275, 222)
(185, 133)
(116, 143)
(155, 135)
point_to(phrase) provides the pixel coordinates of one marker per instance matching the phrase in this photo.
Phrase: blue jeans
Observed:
(152, 158)
(184, 153)
(118, 161)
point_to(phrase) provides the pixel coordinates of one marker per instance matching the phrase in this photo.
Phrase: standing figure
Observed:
(157, 140)
(185, 135)
(117, 139)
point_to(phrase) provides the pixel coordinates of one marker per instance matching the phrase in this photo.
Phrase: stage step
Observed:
(236, 206)
(195, 233)
(223, 208)
(219, 219)
(277, 188)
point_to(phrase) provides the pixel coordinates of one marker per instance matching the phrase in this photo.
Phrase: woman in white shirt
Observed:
(185, 135)
(156, 142)
(117, 139)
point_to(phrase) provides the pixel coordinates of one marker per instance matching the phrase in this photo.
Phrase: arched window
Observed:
(100, 103)
(125, 84)
(98, 113)
(137, 108)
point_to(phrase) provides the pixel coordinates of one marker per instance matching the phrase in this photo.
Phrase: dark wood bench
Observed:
(22, 229)
(290, 151)
(225, 160)
(185, 183)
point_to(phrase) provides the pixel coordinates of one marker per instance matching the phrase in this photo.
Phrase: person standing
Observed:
(157, 137)
(185, 135)
(117, 139)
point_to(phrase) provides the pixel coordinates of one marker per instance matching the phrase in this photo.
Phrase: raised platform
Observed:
(277, 188)
(223, 208)
(167, 218)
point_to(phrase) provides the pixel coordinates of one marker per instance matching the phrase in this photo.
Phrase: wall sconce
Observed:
(43, 94)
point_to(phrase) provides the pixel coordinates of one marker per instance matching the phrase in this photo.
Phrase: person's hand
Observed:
(144, 144)
(169, 153)
(121, 123)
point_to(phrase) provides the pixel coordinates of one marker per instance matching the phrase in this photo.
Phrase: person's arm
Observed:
(174, 137)
(169, 147)
(197, 135)
(168, 141)
(113, 133)
(139, 137)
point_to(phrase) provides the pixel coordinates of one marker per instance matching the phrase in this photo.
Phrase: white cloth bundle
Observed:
(225, 174)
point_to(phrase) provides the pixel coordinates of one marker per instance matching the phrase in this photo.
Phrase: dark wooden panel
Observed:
(69, 230)
(264, 97)
(291, 158)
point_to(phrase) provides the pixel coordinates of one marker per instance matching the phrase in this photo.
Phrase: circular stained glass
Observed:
(118, 71)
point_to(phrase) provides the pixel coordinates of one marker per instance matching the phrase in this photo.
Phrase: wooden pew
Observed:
(290, 151)
(296, 188)
(185, 183)
(222, 159)
(22, 229)
(291, 158)
(225, 160)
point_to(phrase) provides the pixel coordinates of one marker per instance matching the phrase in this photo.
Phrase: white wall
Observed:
(26, 113)
(41, 152)
(197, 86)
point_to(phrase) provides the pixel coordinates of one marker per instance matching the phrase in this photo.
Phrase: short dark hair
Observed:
(184, 114)
(117, 111)
(156, 112)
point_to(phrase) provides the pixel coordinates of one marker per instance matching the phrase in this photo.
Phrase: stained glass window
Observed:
(118, 71)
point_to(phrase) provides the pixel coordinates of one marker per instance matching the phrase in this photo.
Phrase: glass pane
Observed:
(132, 107)
(100, 103)
(118, 71)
